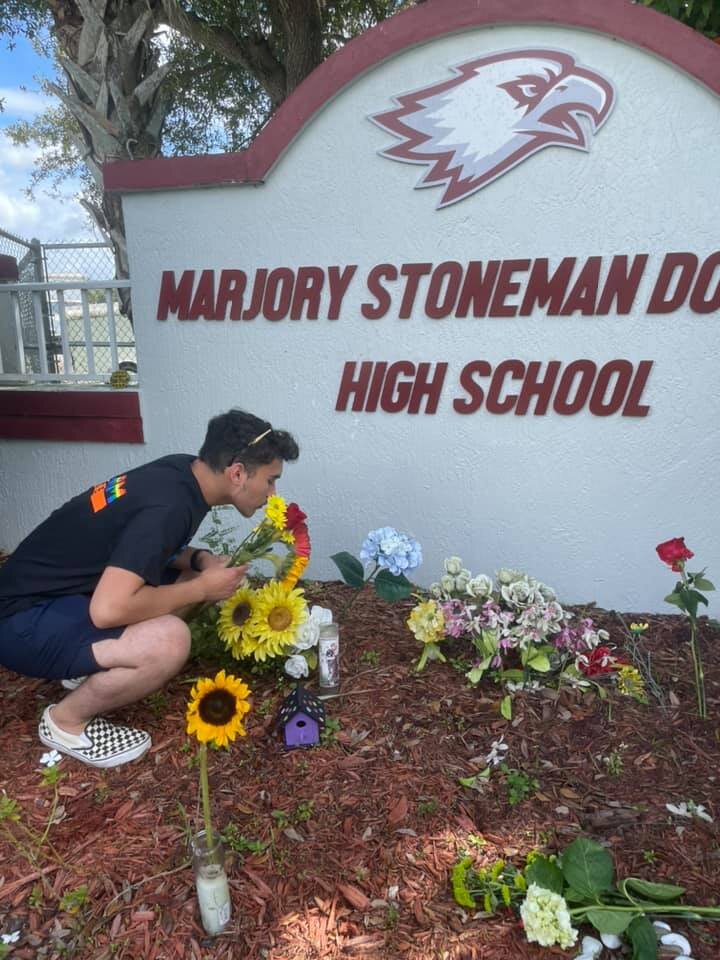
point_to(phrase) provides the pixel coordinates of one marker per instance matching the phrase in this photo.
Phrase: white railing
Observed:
(63, 332)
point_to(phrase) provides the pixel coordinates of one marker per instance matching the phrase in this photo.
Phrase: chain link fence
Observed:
(65, 263)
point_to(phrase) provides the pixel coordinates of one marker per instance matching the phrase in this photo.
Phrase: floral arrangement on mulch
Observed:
(353, 847)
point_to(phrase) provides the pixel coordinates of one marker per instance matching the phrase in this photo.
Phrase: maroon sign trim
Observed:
(74, 415)
(655, 32)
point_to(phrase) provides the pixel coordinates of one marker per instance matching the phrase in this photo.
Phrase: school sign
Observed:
(473, 263)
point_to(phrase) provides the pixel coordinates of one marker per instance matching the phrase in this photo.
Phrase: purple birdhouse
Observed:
(301, 718)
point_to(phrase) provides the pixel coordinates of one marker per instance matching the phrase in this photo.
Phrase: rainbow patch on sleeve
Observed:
(105, 493)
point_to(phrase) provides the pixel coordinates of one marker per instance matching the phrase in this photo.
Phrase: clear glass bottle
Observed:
(211, 883)
(328, 660)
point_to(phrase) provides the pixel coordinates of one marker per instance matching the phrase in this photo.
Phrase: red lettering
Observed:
(477, 288)
(203, 304)
(449, 275)
(383, 271)
(583, 295)
(424, 387)
(585, 370)
(516, 369)
(339, 282)
(621, 284)
(230, 291)
(622, 371)
(378, 379)
(542, 289)
(278, 292)
(349, 385)
(395, 395)
(413, 272)
(308, 286)
(698, 303)
(481, 368)
(175, 299)
(506, 287)
(633, 407)
(687, 263)
(533, 387)
(257, 295)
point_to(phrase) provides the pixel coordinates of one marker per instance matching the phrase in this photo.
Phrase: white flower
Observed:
(307, 636)
(50, 759)
(10, 937)
(297, 666)
(447, 583)
(480, 586)
(518, 594)
(320, 615)
(546, 918)
(507, 576)
(453, 566)
(689, 810)
(497, 749)
(436, 590)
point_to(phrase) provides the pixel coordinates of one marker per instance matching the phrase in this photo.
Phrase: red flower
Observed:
(674, 553)
(598, 661)
(302, 540)
(294, 516)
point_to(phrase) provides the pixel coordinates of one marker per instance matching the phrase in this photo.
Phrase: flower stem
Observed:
(205, 794)
(660, 908)
(698, 669)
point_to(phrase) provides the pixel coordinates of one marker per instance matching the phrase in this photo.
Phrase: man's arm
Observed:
(122, 597)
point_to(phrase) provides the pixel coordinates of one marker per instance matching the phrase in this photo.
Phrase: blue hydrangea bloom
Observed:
(396, 552)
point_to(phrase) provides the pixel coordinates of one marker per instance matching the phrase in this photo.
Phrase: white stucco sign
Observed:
(473, 264)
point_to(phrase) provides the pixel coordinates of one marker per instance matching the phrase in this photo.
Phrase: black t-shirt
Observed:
(138, 521)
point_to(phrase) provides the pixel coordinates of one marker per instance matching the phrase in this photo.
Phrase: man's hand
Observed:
(219, 581)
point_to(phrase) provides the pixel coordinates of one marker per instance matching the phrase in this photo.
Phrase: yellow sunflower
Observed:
(295, 571)
(278, 613)
(276, 512)
(235, 614)
(216, 709)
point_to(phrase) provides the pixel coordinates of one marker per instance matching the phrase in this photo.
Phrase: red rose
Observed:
(293, 516)
(674, 553)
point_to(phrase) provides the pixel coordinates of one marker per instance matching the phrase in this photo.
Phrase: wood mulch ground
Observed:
(344, 850)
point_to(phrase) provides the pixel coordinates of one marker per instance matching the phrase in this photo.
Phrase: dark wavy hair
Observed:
(240, 437)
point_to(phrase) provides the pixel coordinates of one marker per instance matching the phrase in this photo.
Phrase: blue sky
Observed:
(49, 219)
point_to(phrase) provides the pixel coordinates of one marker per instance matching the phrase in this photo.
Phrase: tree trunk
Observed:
(113, 90)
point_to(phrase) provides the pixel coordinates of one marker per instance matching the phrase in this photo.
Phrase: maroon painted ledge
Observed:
(636, 24)
(71, 415)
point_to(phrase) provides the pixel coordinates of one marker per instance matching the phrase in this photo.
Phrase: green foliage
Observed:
(330, 728)
(488, 888)
(701, 15)
(74, 900)
(371, 657)
(428, 808)
(240, 844)
(519, 785)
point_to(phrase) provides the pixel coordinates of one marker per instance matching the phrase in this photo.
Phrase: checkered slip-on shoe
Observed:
(72, 683)
(102, 744)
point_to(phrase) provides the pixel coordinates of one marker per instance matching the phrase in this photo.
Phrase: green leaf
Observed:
(654, 891)
(350, 568)
(609, 920)
(506, 707)
(675, 599)
(391, 586)
(539, 662)
(573, 896)
(703, 584)
(689, 601)
(641, 935)
(545, 873)
(587, 867)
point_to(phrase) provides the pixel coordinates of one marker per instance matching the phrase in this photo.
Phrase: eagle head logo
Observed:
(492, 114)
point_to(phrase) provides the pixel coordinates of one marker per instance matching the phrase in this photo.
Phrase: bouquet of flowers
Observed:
(515, 626)
(283, 523)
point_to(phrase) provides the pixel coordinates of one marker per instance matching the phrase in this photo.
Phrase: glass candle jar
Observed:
(211, 883)
(328, 660)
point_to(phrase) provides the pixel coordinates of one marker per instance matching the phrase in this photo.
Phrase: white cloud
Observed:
(47, 218)
(20, 104)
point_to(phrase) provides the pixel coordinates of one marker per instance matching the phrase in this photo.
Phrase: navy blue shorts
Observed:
(53, 640)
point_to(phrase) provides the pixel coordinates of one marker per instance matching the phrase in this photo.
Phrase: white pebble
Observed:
(611, 940)
(591, 947)
(676, 940)
(662, 927)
